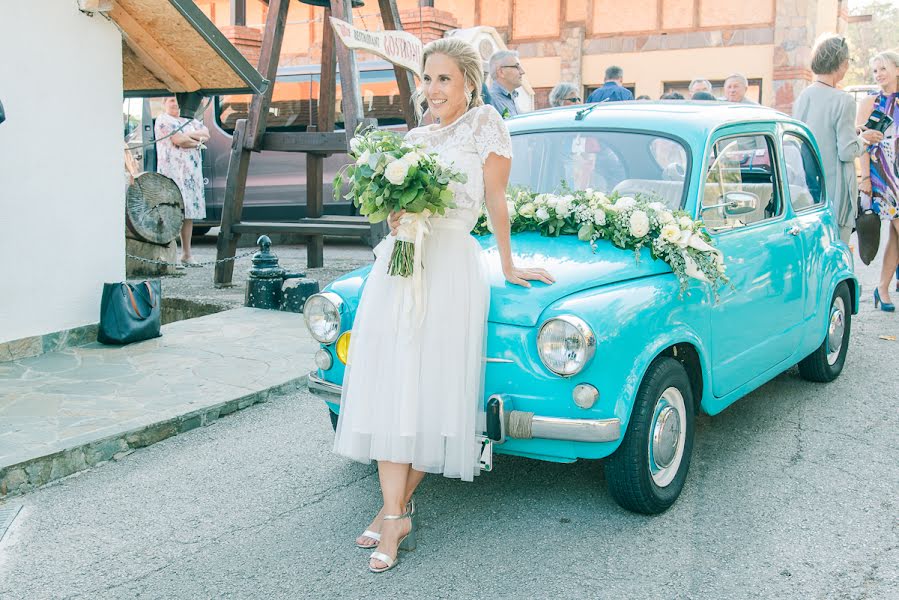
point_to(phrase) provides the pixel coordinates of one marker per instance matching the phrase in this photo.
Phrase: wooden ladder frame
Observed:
(318, 142)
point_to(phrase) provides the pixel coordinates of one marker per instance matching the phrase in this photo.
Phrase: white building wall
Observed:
(61, 169)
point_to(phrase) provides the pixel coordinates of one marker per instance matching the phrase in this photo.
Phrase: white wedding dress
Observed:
(412, 391)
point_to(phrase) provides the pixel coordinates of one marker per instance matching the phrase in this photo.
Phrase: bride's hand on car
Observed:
(523, 277)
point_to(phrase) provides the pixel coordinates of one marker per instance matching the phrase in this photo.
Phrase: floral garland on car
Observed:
(626, 221)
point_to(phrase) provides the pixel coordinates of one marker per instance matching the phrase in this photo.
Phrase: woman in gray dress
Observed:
(830, 113)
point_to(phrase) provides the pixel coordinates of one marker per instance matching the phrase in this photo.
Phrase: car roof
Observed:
(681, 118)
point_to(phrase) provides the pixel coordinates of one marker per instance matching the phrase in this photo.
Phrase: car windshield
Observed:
(607, 161)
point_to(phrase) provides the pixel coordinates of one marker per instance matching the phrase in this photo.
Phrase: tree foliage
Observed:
(867, 38)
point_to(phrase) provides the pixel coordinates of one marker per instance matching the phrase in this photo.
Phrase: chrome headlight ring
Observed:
(565, 344)
(322, 313)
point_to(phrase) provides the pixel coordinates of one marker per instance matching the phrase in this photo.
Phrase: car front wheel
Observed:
(826, 363)
(647, 472)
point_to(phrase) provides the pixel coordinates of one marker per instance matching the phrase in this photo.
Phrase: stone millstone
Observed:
(154, 209)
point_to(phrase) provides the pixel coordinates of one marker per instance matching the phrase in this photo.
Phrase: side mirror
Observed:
(736, 203)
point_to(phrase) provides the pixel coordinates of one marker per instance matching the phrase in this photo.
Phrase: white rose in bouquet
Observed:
(542, 214)
(685, 223)
(665, 217)
(363, 158)
(354, 145)
(601, 198)
(542, 199)
(552, 201)
(527, 210)
(639, 224)
(564, 207)
(670, 233)
(625, 203)
(510, 206)
(599, 217)
(412, 158)
(396, 172)
(656, 206)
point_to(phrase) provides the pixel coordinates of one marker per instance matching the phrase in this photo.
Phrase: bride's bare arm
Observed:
(496, 178)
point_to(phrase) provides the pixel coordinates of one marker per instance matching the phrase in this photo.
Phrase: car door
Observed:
(755, 325)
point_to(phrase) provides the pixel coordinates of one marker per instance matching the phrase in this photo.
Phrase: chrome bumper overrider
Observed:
(516, 424)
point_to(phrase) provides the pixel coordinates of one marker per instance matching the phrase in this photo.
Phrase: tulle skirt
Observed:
(412, 390)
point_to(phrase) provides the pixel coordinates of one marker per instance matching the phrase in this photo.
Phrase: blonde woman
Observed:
(412, 392)
(880, 168)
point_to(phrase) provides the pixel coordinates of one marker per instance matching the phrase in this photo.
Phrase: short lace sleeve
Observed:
(491, 134)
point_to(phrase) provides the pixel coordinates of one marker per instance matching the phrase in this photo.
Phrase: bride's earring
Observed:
(467, 97)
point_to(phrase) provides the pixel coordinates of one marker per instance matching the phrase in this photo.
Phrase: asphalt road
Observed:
(792, 493)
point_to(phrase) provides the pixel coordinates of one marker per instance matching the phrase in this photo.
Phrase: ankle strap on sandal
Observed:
(397, 517)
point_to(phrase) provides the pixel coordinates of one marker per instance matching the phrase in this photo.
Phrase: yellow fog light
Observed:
(343, 346)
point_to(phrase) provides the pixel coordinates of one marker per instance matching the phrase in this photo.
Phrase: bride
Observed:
(412, 393)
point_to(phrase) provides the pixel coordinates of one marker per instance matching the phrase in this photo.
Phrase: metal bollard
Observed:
(266, 278)
(295, 292)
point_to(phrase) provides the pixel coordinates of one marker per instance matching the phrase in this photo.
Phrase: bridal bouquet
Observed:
(391, 175)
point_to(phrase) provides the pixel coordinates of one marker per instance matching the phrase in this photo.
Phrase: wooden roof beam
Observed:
(151, 53)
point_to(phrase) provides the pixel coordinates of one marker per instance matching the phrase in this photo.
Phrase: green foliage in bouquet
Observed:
(391, 175)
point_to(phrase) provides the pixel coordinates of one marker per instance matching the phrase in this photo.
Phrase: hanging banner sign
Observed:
(398, 47)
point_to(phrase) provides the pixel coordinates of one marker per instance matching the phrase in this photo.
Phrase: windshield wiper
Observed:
(579, 115)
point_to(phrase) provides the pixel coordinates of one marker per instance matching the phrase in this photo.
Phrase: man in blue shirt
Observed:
(611, 90)
(505, 73)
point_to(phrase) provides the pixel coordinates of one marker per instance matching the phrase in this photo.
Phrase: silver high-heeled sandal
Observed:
(407, 542)
(410, 508)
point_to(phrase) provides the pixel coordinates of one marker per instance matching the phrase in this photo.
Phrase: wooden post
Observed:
(404, 79)
(235, 186)
(349, 73)
(327, 90)
(269, 55)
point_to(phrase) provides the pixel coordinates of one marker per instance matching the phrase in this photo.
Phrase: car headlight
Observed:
(565, 344)
(322, 315)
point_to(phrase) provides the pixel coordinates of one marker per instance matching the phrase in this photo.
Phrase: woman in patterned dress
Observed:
(412, 393)
(880, 171)
(178, 157)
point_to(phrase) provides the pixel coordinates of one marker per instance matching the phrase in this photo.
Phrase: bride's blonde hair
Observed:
(465, 57)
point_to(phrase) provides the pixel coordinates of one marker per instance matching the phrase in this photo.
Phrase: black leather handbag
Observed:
(130, 312)
(867, 227)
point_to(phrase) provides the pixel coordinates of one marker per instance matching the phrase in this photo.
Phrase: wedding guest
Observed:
(643, 97)
(564, 94)
(506, 73)
(700, 85)
(880, 175)
(735, 87)
(672, 96)
(178, 157)
(830, 113)
(702, 96)
(611, 90)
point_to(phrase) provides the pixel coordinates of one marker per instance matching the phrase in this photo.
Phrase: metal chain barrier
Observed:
(207, 263)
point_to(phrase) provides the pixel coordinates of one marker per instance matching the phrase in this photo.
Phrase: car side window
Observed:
(740, 186)
(804, 176)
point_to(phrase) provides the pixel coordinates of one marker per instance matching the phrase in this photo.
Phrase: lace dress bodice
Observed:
(465, 144)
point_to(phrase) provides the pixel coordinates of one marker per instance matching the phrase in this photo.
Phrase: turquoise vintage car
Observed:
(638, 360)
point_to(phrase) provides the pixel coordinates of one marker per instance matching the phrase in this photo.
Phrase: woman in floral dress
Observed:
(178, 157)
(880, 171)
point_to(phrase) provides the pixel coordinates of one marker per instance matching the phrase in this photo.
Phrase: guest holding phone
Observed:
(880, 172)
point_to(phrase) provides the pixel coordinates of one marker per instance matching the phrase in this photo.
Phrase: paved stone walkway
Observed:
(65, 411)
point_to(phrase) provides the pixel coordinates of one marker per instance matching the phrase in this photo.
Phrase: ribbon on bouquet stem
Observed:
(412, 228)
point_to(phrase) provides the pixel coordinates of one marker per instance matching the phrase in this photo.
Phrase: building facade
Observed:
(660, 44)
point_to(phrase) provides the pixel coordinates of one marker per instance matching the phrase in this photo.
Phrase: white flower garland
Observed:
(626, 221)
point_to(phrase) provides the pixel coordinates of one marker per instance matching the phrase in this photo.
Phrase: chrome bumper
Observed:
(516, 424)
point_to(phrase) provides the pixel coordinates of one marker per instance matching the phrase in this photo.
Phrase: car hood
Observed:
(574, 265)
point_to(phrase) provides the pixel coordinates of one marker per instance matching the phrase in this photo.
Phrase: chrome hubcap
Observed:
(836, 330)
(666, 444)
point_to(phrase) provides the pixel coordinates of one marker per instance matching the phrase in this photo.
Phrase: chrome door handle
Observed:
(794, 230)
